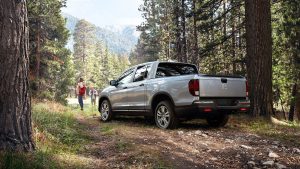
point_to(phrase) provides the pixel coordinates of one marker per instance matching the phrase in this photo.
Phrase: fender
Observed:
(160, 93)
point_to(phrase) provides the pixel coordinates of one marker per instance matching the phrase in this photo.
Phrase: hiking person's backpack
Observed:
(82, 90)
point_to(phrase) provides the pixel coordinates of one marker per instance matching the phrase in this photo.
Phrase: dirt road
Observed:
(133, 143)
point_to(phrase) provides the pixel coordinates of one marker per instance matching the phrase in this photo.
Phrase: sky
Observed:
(106, 12)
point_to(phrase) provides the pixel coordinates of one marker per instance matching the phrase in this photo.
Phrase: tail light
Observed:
(247, 88)
(207, 110)
(194, 87)
(243, 109)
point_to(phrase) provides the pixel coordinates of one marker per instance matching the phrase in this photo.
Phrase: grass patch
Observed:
(122, 145)
(146, 158)
(58, 137)
(91, 111)
(260, 126)
(57, 127)
(107, 129)
(40, 159)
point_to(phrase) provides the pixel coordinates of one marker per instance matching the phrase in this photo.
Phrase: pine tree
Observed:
(286, 64)
(259, 56)
(48, 56)
(84, 38)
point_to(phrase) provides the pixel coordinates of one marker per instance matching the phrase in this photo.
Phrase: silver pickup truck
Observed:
(168, 92)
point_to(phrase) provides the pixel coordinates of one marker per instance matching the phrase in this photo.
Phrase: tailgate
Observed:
(222, 86)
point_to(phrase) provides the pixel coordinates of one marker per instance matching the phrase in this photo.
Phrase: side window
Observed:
(172, 69)
(141, 73)
(126, 77)
(160, 73)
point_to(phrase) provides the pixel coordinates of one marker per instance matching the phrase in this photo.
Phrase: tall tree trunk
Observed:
(259, 56)
(195, 57)
(297, 106)
(240, 40)
(184, 48)
(212, 39)
(233, 40)
(38, 50)
(293, 102)
(224, 46)
(168, 48)
(177, 32)
(15, 111)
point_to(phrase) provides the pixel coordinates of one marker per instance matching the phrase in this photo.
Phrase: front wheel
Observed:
(218, 121)
(106, 112)
(165, 116)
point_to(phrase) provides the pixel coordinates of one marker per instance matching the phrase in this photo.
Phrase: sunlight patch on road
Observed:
(74, 101)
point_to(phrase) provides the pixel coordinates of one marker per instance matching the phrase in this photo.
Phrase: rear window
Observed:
(175, 69)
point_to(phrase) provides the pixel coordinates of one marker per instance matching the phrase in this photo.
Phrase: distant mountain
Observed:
(119, 39)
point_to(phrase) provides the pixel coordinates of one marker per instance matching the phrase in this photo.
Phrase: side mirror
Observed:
(113, 83)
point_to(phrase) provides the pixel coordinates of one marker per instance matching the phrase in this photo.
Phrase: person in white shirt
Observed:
(93, 94)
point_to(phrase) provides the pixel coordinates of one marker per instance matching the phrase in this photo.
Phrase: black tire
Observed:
(218, 121)
(165, 117)
(149, 119)
(106, 111)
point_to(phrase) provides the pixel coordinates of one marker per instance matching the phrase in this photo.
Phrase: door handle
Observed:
(142, 84)
(125, 87)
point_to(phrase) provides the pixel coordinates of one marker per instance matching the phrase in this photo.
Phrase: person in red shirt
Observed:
(80, 91)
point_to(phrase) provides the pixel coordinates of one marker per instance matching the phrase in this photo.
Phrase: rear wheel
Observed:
(106, 112)
(218, 121)
(165, 116)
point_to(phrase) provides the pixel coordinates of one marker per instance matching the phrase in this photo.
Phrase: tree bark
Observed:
(293, 102)
(177, 32)
(38, 51)
(224, 47)
(259, 56)
(195, 57)
(184, 48)
(240, 42)
(297, 109)
(15, 111)
(233, 40)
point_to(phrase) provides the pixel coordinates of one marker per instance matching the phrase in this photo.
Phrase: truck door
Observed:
(136, 90)
(118, 97)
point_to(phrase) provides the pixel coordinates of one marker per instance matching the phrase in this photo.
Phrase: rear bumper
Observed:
(209, 108)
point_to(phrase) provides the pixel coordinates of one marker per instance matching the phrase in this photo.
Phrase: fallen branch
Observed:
(278, 122)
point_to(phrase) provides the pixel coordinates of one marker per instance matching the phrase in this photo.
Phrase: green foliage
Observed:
(209, 33)
(83, 47)
(62, 87)
(50, 63)
(92, 59)
(149, 46)
(286, 53)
